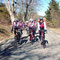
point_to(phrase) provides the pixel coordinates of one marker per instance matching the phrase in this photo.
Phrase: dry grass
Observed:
(57, 30)
(5, 38)
(5, 32)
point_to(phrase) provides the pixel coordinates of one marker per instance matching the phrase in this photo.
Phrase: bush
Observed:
(53, 22)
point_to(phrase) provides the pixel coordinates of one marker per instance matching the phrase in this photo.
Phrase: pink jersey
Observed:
(20, 25)
(15, 24)
(34, 24)
(29, 24)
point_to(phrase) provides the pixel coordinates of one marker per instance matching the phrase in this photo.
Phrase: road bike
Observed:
(18, 36)
(42, 38)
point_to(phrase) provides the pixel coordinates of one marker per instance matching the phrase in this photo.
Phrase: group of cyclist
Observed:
(30, 25)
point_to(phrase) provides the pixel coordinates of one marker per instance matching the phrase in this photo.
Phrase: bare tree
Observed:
(24, 6)
(28, 6)
(11, 7)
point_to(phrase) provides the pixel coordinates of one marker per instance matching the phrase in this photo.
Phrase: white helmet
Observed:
(31, 19)
(26, 21)
(15, 19)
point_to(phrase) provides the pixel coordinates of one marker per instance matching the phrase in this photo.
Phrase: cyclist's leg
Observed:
(30, 34)
(40, 33)
(35, 38)
(43, 36)
(14, 31)
(29, 31)
(34, 32)
(19, 37)
(21, 31)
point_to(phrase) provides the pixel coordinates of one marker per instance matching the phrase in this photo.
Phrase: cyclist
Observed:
(17, 28)
(32, 26)
(41, 27)
(15, 25)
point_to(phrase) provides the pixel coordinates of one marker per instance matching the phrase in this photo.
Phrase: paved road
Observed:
(27, 51)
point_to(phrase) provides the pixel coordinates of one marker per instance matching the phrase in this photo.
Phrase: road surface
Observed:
(27, 51)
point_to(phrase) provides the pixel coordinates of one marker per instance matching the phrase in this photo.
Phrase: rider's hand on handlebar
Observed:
(45, 31)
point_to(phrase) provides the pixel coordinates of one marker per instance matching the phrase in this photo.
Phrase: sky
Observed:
(44, 7)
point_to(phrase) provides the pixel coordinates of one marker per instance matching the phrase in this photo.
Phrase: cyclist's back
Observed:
(15, 26)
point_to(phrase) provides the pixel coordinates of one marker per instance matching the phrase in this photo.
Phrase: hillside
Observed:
(5, 24)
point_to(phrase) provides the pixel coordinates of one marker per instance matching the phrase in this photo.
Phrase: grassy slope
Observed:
(5, 32)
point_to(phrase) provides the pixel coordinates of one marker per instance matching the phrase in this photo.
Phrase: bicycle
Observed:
(18, 37)
(42, 38)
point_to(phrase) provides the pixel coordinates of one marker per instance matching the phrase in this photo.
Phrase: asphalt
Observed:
(28, 51)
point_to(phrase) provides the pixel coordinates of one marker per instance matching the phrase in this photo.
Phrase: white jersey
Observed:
(44, 26)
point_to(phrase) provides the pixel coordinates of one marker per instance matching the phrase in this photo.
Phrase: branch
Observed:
(6, 4)
(30, 2)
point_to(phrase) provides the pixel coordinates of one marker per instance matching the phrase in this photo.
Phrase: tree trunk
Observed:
(10, 10)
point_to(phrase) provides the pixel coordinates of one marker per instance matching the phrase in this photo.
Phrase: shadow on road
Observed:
(7, 52)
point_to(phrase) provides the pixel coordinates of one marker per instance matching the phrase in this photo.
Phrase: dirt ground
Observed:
(3, 36)
(57, 30)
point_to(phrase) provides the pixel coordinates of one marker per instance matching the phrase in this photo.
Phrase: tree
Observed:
(52, 12)
(4, 14)
(48, 15)
(28, 6)
(22, 5)
(11, 7)
(54, 5)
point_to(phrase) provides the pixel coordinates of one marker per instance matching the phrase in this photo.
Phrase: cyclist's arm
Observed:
(38, 26)
(45, 28)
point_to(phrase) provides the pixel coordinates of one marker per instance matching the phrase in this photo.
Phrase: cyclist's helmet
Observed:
(40, 18)
(15, 19)
(31, 20)
(26, 21)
